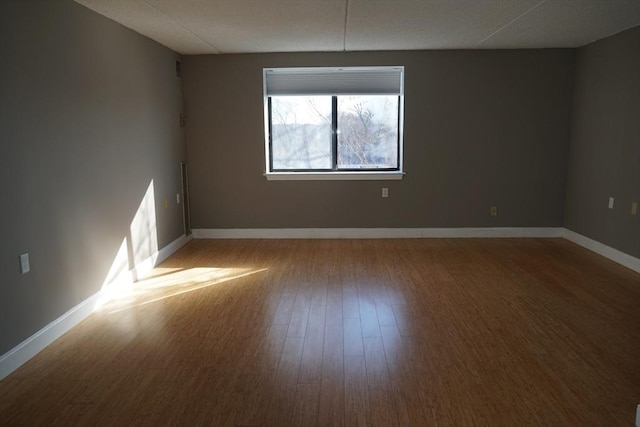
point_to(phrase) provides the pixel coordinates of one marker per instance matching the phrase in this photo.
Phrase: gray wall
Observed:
(604, 158)
(88, 117)
(482, 128)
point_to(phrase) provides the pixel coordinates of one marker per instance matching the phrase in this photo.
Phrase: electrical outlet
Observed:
(385, 192)
(634, 208)
(610, 202)
(24, 263)
(178, 198)
(493, 211)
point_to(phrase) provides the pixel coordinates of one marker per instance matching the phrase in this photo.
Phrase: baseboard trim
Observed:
(148, 264)
(601, 249)
(172, 247)
(417, 233)
(373, 233)
(24, 351)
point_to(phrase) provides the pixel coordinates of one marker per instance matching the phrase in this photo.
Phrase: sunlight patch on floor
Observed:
(168, 283)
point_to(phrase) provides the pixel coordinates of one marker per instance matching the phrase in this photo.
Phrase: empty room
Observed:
(320, 212)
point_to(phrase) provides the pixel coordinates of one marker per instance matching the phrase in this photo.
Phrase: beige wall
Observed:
(482, 128)
(88, 119)
(604, 156)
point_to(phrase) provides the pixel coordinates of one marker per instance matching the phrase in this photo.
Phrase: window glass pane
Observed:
(367, 132)
(301, 132)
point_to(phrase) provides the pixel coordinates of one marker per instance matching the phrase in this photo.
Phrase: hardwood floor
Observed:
(350, 332)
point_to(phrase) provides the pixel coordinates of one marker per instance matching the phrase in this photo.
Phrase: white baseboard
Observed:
(413, 233)
(373, 233)
(172, 247)
(148, 264)
(24, 351)
(601, 249)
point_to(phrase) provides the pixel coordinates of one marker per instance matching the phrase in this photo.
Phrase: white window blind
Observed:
(334, 81)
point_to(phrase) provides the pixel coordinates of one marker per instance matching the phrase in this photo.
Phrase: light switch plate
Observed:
(24, 263)
(610, 202)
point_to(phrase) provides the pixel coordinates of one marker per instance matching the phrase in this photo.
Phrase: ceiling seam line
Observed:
(510, 22)
(344, 35)
(183, 27)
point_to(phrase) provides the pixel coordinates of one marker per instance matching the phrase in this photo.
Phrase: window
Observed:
(333, 123)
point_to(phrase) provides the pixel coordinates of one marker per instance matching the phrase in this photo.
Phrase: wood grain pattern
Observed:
(350, 332)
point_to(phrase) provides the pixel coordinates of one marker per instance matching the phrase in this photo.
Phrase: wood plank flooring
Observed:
(350, 332)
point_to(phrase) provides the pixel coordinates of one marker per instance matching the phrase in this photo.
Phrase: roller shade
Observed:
(334, 81)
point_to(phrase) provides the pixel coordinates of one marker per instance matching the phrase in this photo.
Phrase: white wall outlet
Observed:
(385, 192)
(634, 208)
(24, 263)
(178, 198)
(610, 202)
(493, 211)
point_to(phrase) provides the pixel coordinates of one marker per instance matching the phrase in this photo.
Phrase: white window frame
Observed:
(360, 87)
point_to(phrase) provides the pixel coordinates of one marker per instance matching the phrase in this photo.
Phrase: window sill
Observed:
(334, 176)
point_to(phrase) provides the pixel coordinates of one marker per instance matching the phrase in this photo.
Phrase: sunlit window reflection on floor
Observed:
(163, 283)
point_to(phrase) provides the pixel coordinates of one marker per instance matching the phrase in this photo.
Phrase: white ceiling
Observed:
(241, 26)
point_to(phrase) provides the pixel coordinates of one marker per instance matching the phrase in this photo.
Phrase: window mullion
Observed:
(334, 132)
(270, 135)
